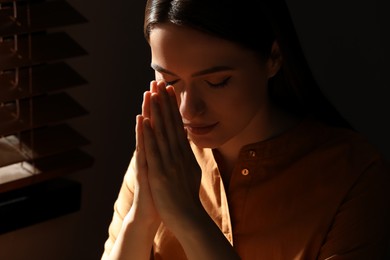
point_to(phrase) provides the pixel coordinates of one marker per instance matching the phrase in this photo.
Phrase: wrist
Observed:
(141, 222)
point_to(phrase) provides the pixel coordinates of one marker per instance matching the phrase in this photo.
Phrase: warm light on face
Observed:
(221, 87)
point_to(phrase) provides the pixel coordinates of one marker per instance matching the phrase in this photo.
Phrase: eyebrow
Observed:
(196, 74)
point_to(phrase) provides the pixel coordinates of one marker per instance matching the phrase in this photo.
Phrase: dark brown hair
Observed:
(293, 87)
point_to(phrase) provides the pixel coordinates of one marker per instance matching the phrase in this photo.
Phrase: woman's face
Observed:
(221, 88)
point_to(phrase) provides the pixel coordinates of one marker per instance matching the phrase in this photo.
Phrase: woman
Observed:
(238, 154)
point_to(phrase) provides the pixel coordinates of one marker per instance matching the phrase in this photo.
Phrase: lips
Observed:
(200, 129)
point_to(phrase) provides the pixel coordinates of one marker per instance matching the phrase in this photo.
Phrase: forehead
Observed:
(177, 46)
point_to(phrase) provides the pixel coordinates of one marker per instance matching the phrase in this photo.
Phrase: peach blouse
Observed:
(314, 192)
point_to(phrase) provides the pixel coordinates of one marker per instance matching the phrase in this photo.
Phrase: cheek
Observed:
(244, 105)
(228, 107)
(247, 98)
(254, 92)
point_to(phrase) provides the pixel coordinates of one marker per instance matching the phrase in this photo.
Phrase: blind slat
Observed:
(41, 48)
(46, 109)
(36, 144)
(38, 16)
(39, 143)
(34, 81)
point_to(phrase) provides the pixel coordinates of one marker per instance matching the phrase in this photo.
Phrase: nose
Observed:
(191, 103)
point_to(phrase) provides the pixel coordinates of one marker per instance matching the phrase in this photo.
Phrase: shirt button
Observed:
(245, 172)
(252, 153)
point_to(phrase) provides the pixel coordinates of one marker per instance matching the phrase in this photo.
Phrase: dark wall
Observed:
(345, 43)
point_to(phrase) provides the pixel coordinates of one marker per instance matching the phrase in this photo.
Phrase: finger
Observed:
(174, 106)
(153, 86)
(146, 101)
(181, 132)
(146, 105)
(159, 128)
(138, 133)
(140, 147)
(152, 152)
(171, 126)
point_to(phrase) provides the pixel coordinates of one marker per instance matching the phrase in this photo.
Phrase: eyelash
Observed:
(170, 82)
(222, 84)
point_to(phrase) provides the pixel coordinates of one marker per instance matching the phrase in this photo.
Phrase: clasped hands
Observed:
(167, 173)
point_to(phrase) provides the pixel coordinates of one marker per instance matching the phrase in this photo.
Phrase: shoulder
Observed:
(346, 155)
(346, 144)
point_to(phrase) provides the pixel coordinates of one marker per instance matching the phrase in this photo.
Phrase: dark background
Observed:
(346, 43)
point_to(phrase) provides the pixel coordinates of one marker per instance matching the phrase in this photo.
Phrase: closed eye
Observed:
(171, 82)
(221, 84)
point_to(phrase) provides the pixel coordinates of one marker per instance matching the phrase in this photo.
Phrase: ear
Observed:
(275, 60)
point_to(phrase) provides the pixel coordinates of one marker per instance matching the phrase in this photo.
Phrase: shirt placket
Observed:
(239, 187)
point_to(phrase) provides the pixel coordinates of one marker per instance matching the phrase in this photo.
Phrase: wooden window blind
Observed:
(37, 142)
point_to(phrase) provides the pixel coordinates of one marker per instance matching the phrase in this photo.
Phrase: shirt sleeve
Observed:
(360, 229)
(122, 206)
